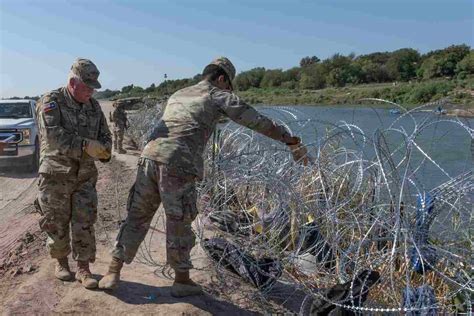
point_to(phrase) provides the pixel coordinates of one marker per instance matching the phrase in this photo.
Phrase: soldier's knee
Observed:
(185, 213)
(179, 234)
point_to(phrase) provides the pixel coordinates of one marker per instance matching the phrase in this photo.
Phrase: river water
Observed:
(445, 141)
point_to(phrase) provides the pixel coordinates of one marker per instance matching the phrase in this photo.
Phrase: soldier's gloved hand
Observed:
(96, 150)
(298, 150)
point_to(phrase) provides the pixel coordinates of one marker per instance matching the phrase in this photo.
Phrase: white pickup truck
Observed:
(19, 139)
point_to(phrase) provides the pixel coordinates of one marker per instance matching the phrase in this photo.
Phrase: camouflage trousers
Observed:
(155, 184)
(118, 137)
(64, 202)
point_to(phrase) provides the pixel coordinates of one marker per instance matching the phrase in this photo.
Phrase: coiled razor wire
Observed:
(361, 193)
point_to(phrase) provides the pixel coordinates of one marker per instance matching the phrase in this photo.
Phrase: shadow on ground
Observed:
(138, 294)
(17, 173)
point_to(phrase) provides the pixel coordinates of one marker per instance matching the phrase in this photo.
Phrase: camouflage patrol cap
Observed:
(87, 71)
(225, 64)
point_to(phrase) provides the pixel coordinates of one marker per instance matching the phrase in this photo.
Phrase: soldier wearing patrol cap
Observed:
(73, 134)
(172, 161)
(119, 118)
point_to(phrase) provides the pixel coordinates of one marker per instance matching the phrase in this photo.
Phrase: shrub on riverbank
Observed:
(409, 94)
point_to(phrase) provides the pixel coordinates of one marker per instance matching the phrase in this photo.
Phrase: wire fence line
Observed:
(358, 206)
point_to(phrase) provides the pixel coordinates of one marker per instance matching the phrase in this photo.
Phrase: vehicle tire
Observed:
(33, 164)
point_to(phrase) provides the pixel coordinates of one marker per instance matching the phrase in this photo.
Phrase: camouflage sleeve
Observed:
(242, 113)
(55, 135)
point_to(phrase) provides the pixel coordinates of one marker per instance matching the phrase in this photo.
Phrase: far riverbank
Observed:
(410, 95)
(458, 93)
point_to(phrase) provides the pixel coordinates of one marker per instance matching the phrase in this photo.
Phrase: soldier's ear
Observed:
(221, 79)
(72, 82)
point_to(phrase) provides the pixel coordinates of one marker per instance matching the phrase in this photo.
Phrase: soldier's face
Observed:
(80, 91)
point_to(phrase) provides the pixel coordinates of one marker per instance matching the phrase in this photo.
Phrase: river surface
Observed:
(445, 141)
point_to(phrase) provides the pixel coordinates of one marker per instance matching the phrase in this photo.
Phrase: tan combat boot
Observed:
(84, 275)
(61, 270)
(184, 286)
(111, 280)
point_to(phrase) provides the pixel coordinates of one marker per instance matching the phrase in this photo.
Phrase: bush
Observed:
(430, 91)
(466, 66)
(289, 85)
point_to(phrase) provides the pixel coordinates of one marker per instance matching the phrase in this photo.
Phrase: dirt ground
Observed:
(27, 284)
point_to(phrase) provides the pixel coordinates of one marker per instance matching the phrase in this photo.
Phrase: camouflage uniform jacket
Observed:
(64, 124)
(189, 119)
(119, 117)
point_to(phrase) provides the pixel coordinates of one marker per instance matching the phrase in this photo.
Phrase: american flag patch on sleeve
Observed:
(49, 106)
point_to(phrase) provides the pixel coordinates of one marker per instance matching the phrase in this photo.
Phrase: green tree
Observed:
(272, 78)
(127, 89)
(292, 74)
(429, 68)
(373, 67)
(136, 90)
(342, 70)
(442, 62)
(249, 79)
(306, 61)
(403, 64)
(466, 66)
(290, 78)
(371, 72)
(313, 76)
(151, 88)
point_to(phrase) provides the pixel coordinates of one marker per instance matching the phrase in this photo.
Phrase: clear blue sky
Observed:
(138, 41)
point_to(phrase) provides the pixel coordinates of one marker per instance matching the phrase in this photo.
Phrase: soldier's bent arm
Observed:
(56, 136)
(242, 113)
(105, 137)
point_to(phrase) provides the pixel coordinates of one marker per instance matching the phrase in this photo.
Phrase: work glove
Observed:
(298, 150)
(96, 150)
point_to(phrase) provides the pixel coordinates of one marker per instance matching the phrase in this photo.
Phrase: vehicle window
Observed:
(15, 110)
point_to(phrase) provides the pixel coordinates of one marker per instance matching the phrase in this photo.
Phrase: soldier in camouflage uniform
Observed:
(119, 118)
(171, 163)
(73, 134)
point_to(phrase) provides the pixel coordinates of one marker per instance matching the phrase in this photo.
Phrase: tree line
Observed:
(312, 73)
(338, 70)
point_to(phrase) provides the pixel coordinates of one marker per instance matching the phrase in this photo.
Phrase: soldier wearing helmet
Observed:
(172, 162)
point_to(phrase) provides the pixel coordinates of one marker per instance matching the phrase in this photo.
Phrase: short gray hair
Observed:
(74, 76)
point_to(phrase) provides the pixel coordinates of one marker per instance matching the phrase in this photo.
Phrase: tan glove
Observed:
(300, 153)
(96, 150)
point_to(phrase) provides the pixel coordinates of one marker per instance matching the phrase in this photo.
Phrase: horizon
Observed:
(138, 42)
